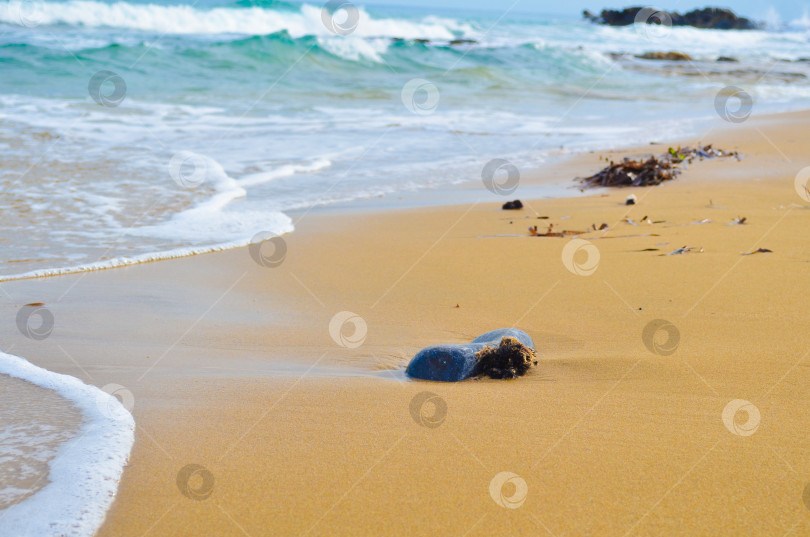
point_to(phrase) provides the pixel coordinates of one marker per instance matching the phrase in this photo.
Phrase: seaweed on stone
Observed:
(510, 359)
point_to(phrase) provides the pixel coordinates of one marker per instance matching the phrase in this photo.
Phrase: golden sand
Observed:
(232, 365)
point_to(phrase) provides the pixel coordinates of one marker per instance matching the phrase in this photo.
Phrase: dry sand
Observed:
(232, 366)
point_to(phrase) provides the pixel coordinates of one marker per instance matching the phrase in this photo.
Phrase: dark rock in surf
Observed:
(667, 56)
(708, 18)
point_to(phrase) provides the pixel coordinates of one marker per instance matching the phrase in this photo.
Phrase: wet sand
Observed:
(232, 366)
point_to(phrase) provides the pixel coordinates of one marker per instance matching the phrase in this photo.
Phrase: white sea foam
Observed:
(184, 19)
(283, 171)
(85, 473)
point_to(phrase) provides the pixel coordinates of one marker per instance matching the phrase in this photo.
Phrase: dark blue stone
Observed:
(454, 362)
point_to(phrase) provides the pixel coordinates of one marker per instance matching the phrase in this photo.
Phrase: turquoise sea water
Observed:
(144, 130)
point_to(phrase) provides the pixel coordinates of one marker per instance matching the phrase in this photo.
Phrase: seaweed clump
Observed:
(510, 359)
(653, 170)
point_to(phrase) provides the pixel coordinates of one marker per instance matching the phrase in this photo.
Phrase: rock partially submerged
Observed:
(503, 353)
(653, 170)
(672, 56)
(710, 17)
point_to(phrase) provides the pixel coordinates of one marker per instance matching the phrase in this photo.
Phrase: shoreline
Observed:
(561, 161)
(196, 339)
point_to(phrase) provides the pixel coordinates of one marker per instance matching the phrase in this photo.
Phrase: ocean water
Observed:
(133, 131)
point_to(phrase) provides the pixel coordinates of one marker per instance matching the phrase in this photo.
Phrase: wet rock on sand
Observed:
(502, 354)
(512, 205)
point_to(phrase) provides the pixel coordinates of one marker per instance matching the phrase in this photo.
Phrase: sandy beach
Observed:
(298, 431)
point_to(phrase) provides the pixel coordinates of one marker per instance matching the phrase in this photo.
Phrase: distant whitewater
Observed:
(63, 447)
(132, 132)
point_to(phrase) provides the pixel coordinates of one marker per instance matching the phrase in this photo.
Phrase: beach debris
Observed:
(35, 304)
(509, 360)
(512, 205)
(701, 222)
(603, 227)
(648, 250)
(627, 220)
(631, 200)
(534, 232)
(758, 251)
(653, 170)
(685, 250)
(737, 221)
(711, 205)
